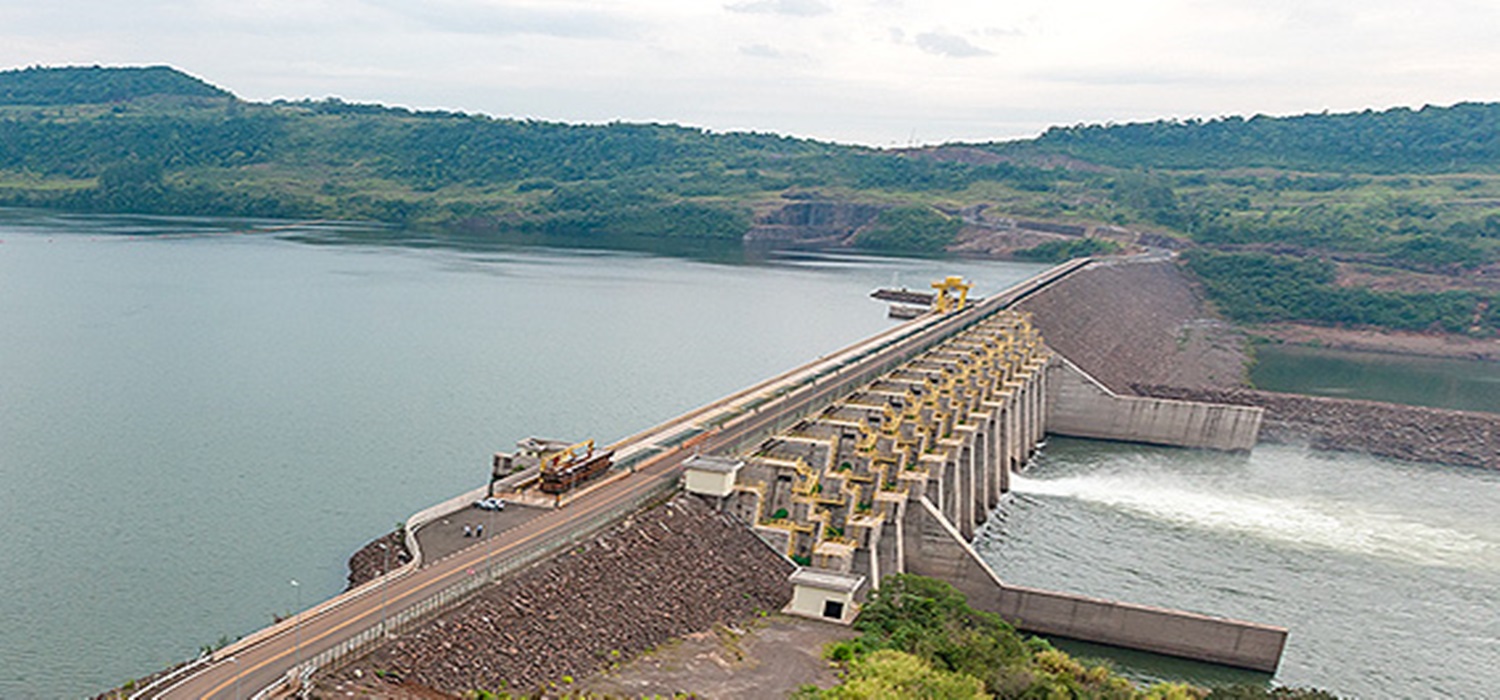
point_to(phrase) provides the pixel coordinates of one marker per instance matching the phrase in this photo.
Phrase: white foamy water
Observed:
(1349, 527)
(1384, 573)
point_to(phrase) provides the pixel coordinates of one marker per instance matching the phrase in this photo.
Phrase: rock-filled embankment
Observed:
(1413, 433)
(673, 570)
(1131, 322)
(371, 561)
(1142, 328)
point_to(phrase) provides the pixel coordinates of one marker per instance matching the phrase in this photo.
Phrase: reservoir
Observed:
(1464, 385)
(194, 413)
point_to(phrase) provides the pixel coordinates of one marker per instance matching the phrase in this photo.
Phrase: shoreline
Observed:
(1446, 346)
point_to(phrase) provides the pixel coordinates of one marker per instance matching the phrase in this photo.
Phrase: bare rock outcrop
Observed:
(815, 222)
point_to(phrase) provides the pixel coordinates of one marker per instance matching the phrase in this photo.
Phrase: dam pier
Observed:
(883, 457)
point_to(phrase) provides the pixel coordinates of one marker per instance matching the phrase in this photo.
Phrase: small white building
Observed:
(824, 595)
(711, 476)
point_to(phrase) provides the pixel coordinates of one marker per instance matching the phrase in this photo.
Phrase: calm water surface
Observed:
(1466, 385)
(195, 412)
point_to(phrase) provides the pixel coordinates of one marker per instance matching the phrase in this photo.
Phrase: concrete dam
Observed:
(895, 477)
(883, 457)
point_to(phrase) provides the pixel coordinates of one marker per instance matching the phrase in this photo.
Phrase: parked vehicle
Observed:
(490, 504)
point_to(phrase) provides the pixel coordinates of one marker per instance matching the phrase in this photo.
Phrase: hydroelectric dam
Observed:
(880, 458)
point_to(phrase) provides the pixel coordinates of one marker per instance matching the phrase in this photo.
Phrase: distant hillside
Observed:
(1385, 219)
(76, 85)
(1461, 138)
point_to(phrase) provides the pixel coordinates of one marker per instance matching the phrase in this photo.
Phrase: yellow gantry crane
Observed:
(952, 294)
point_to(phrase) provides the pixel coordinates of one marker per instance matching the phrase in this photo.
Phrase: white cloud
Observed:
(835, 70)
(796, 8)
(761, 51)
(951, 45)
(501, 19)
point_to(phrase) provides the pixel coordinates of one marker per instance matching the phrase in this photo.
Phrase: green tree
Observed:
(915, 229)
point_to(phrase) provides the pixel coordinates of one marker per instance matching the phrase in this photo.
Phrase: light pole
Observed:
(383, 572)
(297, 628)
(236, 663)
(488, 546)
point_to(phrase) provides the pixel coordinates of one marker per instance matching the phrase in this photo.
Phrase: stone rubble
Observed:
(370, 560)
(1138, 323)
(670, 571)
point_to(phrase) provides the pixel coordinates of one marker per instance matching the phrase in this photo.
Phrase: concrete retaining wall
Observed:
(933, 547)
(1079, 406)
(1171, 632)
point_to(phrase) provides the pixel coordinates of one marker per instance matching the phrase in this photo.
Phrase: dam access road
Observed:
(265, 661)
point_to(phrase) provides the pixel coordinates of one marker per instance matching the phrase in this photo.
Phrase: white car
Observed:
(490, 504)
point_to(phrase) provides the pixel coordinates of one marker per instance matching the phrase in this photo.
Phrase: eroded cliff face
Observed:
(812, 223)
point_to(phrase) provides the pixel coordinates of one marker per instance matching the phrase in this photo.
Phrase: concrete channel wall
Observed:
(1171, 632)
(933, 547)
(1080, 406)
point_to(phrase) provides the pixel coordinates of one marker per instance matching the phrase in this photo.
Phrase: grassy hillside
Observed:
(1408, 200)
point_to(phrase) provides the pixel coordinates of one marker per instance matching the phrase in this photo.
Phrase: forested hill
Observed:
(1461, 138)
(330, 158)
(74, 85)
(1293, 217)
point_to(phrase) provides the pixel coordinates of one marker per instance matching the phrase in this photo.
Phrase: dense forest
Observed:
(1461, 138)
(1411, 197)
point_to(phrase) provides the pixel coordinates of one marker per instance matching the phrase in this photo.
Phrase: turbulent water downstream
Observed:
(1385, 573)
(195, 412)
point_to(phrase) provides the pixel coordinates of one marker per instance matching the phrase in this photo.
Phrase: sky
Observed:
(875, 72)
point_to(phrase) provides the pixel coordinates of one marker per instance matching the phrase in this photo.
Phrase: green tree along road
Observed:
(1400, 192)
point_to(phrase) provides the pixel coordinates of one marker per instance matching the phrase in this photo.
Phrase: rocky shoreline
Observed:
(664, 573)
(371, 561)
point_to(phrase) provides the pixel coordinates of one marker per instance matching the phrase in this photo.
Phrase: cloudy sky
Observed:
(877, 72)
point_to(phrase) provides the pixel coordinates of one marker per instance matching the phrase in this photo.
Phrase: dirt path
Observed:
(771, 658)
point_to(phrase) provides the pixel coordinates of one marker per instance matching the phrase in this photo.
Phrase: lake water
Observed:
(195, 412)
(1465, 385)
